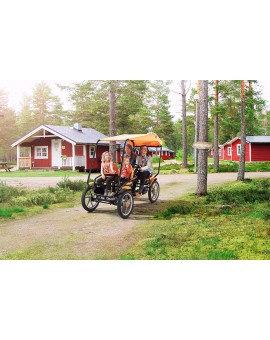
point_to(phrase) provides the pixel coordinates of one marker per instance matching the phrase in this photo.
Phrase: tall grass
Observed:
(14, 200)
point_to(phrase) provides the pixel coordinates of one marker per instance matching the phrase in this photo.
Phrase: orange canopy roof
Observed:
(148, 139)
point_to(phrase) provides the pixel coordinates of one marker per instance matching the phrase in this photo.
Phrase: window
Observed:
(238, 149)
(219, 152)
(91, 151)
(41, 152)
(229, 151)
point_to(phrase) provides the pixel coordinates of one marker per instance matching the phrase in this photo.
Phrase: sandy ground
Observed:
(101, 234)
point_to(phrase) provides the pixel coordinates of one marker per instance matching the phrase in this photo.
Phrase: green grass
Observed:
(216, 227)
(16, 203)
(224, 166)
(7, 213)
(43, 173)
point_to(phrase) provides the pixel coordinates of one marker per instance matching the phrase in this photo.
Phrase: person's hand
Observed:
(103, 176)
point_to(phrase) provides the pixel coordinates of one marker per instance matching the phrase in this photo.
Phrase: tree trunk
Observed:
(112, 92)
(184, 126)
(216, 154)
(241, 170)
(197, 117)
(203, 137)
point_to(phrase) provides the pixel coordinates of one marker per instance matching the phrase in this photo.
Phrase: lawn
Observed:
(232, 222)
(224, 166)
(43, 173)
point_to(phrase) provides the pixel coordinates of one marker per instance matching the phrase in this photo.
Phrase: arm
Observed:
(148, 166)
(102, 172)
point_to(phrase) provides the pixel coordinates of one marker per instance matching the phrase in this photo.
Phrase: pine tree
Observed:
(203, 137)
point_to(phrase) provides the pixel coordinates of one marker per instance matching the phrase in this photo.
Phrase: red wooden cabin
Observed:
(60, 147)
(257, 149)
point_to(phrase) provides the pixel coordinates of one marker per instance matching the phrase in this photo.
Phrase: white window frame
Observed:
(219, 152)
(229, 151)
(91, 151)
(42, 155)
(238, 149)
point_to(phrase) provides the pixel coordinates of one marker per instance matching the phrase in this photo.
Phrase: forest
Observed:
(139, 106)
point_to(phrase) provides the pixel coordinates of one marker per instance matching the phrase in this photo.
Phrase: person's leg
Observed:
(136, 181)
(109, 183)
(113, 182)
(99, 182)
(144, 175)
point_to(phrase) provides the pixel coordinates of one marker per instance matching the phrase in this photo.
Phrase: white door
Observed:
(56, 152)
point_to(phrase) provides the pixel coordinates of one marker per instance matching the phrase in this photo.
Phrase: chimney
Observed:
(77, 126)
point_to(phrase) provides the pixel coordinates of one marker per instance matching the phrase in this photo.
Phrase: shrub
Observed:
(179, 155)
(21, 200)
(6, 192)
(155, 159)
(66, 183)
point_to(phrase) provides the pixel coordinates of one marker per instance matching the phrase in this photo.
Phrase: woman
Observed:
(129, 152)
(145, 167)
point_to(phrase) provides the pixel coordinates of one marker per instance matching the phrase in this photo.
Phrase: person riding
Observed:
(144, 161)
(127, 170)
(108, 167)
(131, 154)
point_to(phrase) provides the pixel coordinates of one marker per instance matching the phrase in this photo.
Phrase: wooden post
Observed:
(18, 156)
(73, 157)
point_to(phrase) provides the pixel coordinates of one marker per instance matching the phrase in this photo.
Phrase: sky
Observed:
(17, 88)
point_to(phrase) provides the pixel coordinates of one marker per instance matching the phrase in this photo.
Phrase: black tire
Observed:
(88, 199)
(125, 204)
(153, 192)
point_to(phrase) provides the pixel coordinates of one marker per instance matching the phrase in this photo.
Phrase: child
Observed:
(107, 168)
(126, 170)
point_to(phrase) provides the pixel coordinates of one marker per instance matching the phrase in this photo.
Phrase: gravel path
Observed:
(65, 233)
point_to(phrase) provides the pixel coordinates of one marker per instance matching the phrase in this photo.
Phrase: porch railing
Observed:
(25, 163)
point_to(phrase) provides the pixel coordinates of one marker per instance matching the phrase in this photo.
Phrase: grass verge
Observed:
(17, 203)
(232, 222)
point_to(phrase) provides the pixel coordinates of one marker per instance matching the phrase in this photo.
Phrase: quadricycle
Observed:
(123, 194)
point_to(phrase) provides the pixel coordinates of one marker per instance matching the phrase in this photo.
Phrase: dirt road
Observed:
(75, 234)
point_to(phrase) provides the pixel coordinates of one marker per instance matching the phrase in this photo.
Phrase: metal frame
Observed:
(123, 153)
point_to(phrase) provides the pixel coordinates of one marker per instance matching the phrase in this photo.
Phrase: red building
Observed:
(60, 147)
(165, 153)
(257, 149)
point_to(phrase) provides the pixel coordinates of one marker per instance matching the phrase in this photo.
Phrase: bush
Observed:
(66, 183)
(179, 155)
(6, 192)
(155, 159)
(42, 197)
